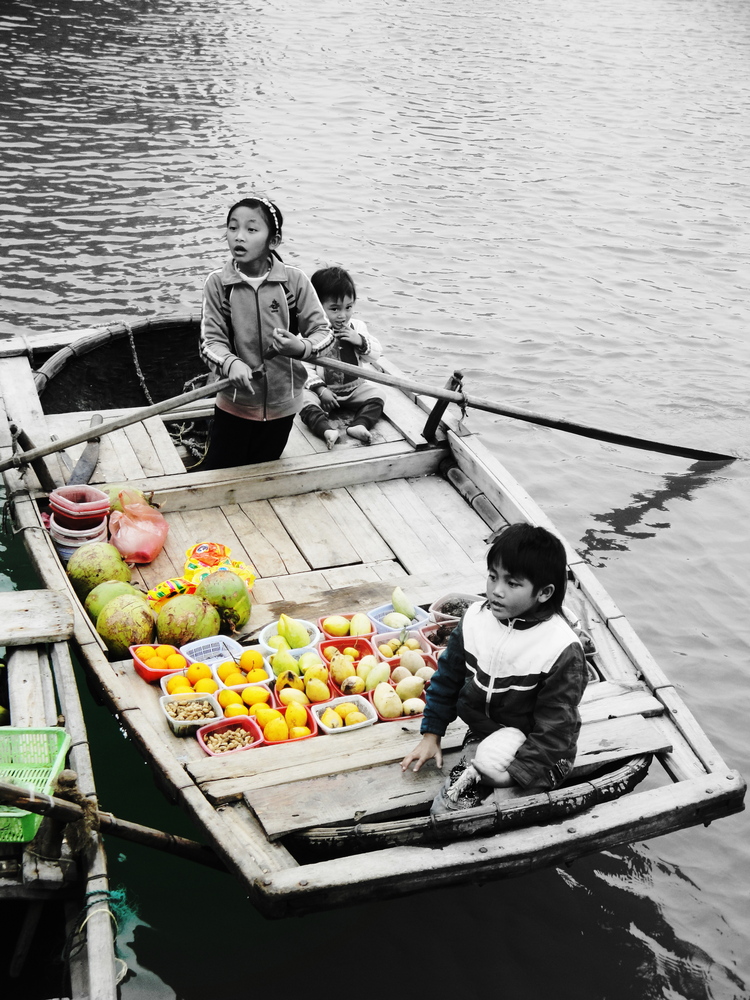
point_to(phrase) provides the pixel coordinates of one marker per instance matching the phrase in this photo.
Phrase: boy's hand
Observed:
(291, 345)
(350, 336)
(327, 400)
(427, 748)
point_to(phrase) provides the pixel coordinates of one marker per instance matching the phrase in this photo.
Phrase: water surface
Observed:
(553, 199)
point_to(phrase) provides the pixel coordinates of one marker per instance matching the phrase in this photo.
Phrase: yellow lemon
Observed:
(164, 651)
(336, 625)
(197, 672)
(231, 710)
(178, 683)
(276, 730)
(255, 675)
(251, 659)
(297, 732)
(354, 717)
(226, 668)
(264, 715)
(206, 685)
(227, 697)
(144, 652)
(344, 708)
(176, 661)
(156, 663)
(290, 694)
(295, 715)
(256, 695)
(232, 680)
(351, 651)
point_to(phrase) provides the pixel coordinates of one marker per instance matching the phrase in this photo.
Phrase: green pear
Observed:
(283, 660)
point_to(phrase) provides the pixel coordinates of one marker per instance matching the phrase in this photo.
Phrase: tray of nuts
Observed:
(229, 736)
(186, 713)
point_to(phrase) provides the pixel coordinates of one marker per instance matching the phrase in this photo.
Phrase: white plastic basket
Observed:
(184, 727)
(211, 650)
(377, 615)
(265, 634)
(362, 703)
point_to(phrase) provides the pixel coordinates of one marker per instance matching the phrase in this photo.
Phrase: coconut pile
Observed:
(124, 616)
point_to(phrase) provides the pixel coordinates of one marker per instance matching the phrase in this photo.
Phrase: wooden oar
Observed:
(69, 812)
(533, 418)
(131, 417)
(384, 378)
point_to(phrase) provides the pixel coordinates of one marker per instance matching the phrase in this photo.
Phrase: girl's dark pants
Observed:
(235, 441)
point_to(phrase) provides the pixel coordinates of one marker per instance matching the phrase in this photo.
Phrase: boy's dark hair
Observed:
(271, 213)
(333, 283)
(534, 553)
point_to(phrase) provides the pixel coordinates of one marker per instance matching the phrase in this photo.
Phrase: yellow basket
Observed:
(30, 758)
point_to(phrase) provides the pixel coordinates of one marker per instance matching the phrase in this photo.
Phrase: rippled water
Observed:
(553, 198)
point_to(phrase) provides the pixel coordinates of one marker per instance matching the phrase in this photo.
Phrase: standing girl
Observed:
(261, 319)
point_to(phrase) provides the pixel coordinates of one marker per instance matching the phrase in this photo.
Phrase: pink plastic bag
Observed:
(138, 532)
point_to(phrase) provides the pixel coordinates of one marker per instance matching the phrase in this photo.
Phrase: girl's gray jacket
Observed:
(238, 321)
(525, 674)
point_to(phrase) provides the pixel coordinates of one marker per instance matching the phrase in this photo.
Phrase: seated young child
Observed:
(334, 391)
(512, 664)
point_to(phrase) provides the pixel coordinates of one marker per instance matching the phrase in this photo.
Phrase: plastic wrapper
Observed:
(209, 557)
(138, 532)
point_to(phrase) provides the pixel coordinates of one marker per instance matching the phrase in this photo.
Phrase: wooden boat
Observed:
(332, 820)
(41, 867)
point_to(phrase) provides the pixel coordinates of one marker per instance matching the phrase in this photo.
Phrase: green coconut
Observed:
(186, 618)
(228, 594)
(95, 563)
(125, 621)
(103, 593)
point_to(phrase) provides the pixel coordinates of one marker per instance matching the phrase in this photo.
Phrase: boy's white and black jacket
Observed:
(524, 674)
(340, 383)
(238, 322)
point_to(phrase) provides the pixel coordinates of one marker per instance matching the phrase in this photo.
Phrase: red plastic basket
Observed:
(239, 721)
(142, 668)
(312, 725)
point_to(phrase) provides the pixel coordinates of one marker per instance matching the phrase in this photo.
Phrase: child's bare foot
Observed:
(330, 438)
(359, 432)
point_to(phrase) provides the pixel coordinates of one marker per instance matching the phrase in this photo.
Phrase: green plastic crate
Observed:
(32, 758)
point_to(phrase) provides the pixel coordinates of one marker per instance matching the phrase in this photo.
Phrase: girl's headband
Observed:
(272, 210)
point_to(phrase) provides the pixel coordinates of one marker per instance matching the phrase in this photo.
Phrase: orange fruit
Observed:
(176, 661)
(206, 685)
(231, 710)
(232, 680)
(251, 659)
(144, 652)
(226, 668)
(178, 683)
(256, 695)
(227, 697)
(165, 651)
(156, 663)
(255, 675)
(198, 672)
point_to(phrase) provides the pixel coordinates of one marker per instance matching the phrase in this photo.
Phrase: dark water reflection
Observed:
(553, 198)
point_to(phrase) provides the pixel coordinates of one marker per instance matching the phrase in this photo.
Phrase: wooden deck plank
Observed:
(456, 516)
(432, 532)
(405, 415)
(322, 541)
(31, 698)
(267, 542)
(398, 531)
(22, 404)
(387, 792)
(361, 533)
(164, 445)
(29, 616)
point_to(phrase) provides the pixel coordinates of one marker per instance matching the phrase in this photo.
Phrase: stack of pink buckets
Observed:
(79, 515)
